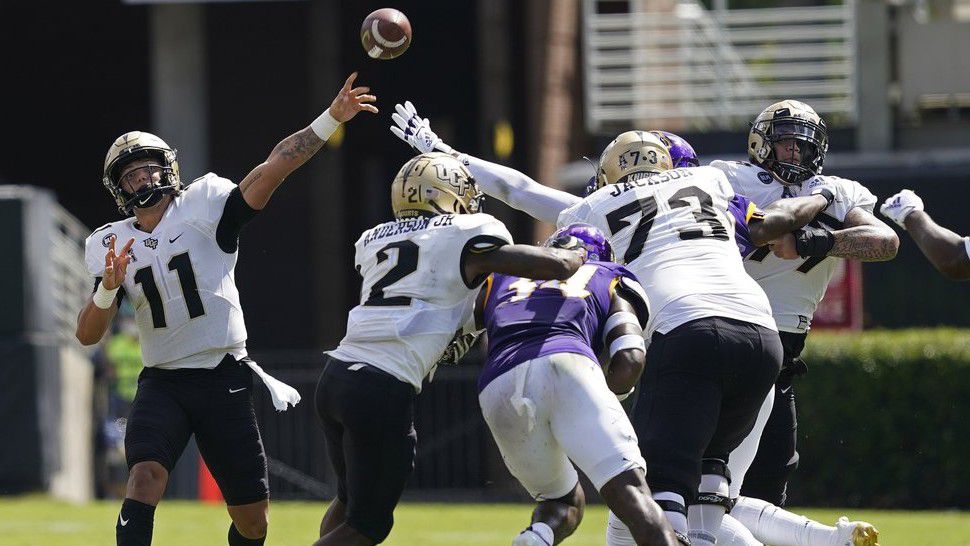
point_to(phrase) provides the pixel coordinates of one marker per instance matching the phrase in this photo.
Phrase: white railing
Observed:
(689, 68)
(72, 284)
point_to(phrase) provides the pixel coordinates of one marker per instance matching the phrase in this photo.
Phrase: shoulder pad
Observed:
(109, 224)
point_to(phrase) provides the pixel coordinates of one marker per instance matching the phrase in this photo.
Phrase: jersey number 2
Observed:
(407, 263)
(182, 266)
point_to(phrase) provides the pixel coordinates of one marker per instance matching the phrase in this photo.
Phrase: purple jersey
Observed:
(743, 211)
(526, 319)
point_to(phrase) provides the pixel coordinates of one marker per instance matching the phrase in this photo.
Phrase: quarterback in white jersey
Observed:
(421, 274)
(182, 247)
(179, 274)
(787, 145)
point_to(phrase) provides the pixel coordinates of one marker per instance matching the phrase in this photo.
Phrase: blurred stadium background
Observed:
(535, 84)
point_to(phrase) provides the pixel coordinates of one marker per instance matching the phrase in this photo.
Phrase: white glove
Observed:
(901, 205)
(414, 130)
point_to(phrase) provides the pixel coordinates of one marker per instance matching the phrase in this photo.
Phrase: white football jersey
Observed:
(180, 282)
(414, 298)
(674, 232)
(794, 287)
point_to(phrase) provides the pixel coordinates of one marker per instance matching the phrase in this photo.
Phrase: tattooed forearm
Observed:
(865, 243)
(299, 146)
(286, 157)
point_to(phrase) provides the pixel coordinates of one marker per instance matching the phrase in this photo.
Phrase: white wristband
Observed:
(628, 341)
(324, 125)
(103, 297)
(621, 317)
(623, 396)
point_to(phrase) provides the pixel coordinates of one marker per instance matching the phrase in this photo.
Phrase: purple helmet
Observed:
(586, 236)
(681, 152)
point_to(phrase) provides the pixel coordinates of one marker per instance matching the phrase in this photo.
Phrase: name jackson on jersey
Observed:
(673, 229)
(642, 180)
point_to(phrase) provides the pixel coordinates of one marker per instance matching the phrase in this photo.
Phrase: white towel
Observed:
(282, 393)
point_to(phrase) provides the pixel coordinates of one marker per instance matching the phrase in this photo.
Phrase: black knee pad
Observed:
(715, 467)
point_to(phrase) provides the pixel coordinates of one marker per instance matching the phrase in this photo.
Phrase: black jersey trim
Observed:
(236, 214)
(479, 244)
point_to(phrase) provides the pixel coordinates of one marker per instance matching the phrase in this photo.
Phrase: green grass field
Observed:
(37, 521)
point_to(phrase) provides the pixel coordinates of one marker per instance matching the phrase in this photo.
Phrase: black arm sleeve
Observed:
(636, 300)
(479, 244)
(118, 297)
(236, 215)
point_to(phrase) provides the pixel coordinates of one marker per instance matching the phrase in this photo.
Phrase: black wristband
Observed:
(827, 194)
(810, 241)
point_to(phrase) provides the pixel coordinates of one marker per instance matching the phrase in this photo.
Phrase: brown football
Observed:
(385, 34)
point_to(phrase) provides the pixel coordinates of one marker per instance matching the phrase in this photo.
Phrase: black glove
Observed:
(810, 241)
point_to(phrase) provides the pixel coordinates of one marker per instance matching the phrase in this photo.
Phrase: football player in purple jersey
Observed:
(547, 401)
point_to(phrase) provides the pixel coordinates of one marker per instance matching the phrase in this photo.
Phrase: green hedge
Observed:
(884, 420)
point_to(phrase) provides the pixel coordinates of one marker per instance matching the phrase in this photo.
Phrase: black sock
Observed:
(135, 522)
(236, 539)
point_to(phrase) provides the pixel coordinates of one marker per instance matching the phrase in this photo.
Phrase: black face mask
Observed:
(812, 142)
(150, 194)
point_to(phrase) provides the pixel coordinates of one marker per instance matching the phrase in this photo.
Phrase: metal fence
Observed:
(71, 282)
(689, 68)
(455, 452)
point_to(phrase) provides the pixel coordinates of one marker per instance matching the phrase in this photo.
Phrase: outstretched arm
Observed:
(519, 191)
(508, 185)
(525, 261)
(946, 250)
(296, 149)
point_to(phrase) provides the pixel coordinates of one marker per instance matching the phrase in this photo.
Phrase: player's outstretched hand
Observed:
(115, 265)
(415, 131)
(351, 100)
(901, 205)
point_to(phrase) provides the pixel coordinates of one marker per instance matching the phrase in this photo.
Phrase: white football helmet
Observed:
(139, 145)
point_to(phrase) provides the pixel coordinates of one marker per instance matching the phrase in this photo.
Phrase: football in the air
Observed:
(385, 34)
